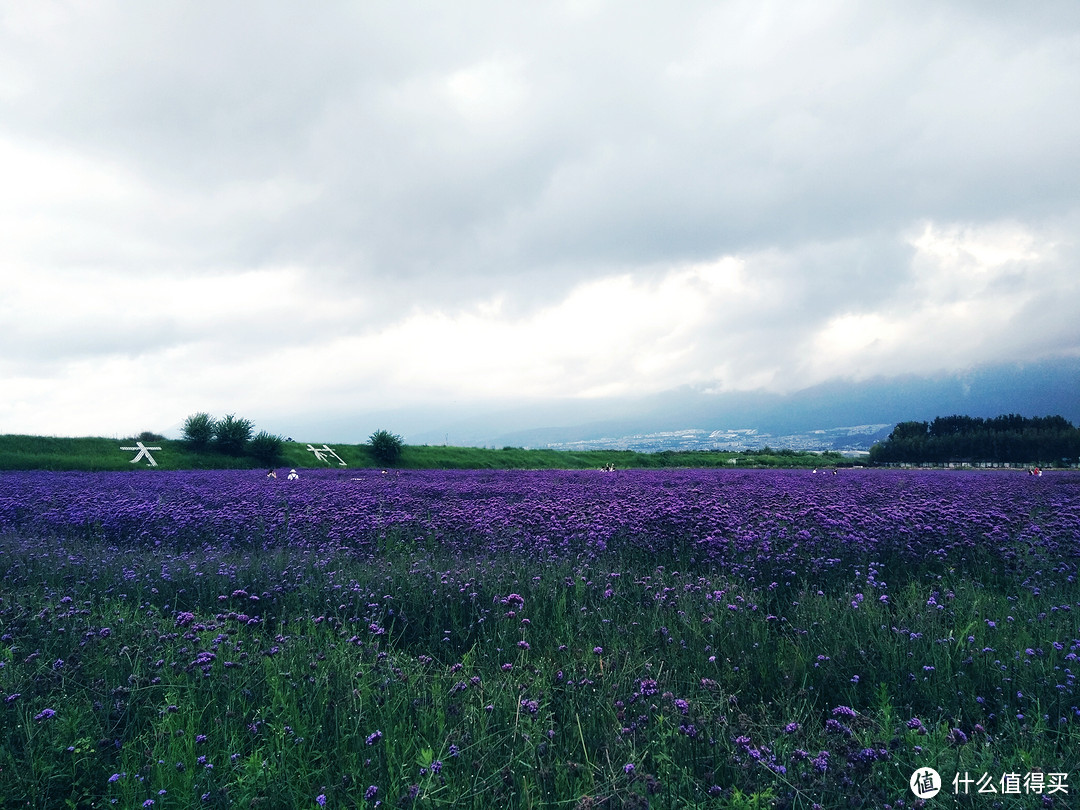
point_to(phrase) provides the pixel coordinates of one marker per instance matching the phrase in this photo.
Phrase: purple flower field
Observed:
(669, 638)
(749, 524)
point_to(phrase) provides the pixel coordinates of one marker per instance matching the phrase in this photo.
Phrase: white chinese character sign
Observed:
(144, 452)
(321, 454)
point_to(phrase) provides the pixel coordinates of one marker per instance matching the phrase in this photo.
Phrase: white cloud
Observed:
(974, 294)
(490, 92)
(376, 204)
(613, 336)
(259, 342)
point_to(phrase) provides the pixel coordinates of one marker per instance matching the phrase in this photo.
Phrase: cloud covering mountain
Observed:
(1029, 389)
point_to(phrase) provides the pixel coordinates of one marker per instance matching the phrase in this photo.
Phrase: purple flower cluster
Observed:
(767, 524)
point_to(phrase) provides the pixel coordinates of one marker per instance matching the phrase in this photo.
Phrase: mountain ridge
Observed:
(1044, 388)
(1031, 389)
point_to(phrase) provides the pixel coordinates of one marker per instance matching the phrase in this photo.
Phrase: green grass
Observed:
(541, 702)
(100, 454)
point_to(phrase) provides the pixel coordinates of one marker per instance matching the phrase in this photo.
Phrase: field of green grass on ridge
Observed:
(19, 452)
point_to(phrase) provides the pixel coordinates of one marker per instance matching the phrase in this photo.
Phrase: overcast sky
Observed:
(270, 208)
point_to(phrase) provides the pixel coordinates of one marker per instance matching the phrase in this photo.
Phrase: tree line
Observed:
(1011, 438)
(232, 436)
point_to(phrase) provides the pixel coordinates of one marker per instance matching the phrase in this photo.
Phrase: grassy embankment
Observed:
(94, 454)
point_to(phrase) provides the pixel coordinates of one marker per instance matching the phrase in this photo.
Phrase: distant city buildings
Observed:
(852, 440)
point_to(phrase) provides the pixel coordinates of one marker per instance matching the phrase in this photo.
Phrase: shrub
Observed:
(150, 436)
(199, 430)
(266, 447)
(386, 447)
(232, 435)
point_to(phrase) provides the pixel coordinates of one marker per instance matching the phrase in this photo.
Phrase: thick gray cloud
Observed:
(279, 178)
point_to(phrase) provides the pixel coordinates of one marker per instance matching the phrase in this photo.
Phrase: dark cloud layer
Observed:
(402, 159)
